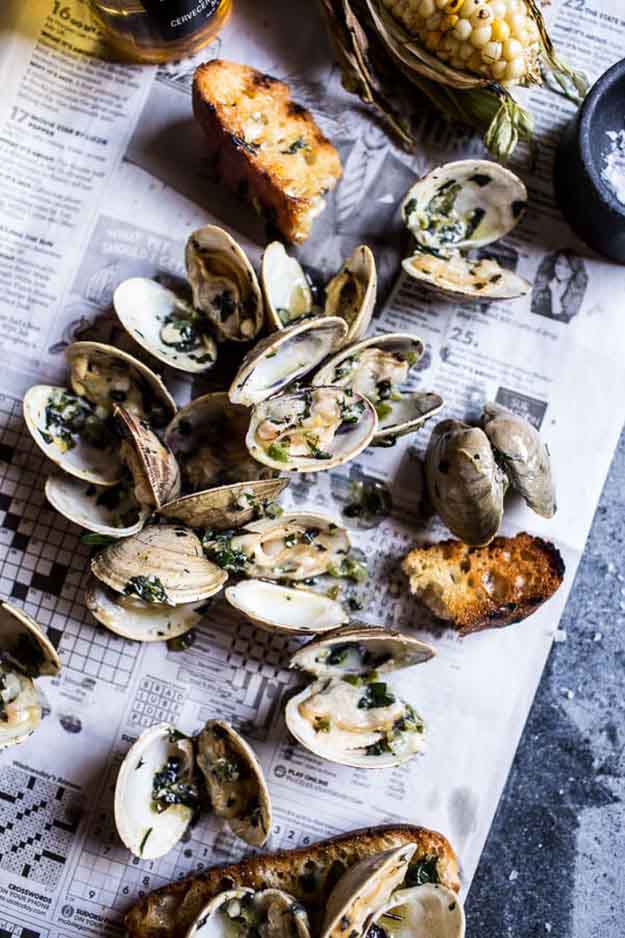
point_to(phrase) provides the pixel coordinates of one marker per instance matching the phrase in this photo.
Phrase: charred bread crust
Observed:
(478, 588)
(265, 147)
(308, 873)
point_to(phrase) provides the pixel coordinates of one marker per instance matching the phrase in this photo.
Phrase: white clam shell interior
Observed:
(138, 621)
(220, 917)
(285, 609)
(18, 631)
(21, 708)
(428, 911)
(287, 292)
(88, 505)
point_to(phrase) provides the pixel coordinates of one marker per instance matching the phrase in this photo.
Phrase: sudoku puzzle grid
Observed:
(43, 564)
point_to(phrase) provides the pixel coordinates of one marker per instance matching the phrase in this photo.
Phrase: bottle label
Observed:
(176, 19)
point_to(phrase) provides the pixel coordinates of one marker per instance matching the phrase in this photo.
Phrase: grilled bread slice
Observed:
(477, 588)
(266, 147)
(309, 874)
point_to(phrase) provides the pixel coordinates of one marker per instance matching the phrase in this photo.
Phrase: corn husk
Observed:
(388, 68)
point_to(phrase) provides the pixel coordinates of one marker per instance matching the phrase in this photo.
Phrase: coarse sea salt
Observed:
(613, 172)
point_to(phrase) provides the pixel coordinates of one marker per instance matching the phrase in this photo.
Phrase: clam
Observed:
(228, 506)
(376, 368)
(295, 546)
(311, 429)
(283, 357)
(428, 911)
(153, 466)
(460, 207)
(155, 793)
(525, 458)
(138, 620)
(350, 294)
(111, 511)
(25, 654)
(224, 285)
(348, 715)
(465, 484)
(363, 890)
(165, 325)
(208, 439)
(278, 608)
(105, 376)
(235, 782)
(69, 431)
(246, 914)
(164, 565)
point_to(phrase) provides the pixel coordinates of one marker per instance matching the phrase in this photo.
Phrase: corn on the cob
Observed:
(496, 39)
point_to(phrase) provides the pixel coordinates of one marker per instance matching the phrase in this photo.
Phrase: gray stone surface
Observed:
(554, 862)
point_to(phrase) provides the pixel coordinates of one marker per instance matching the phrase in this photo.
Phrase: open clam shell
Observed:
(153, 466)
(363, 890)
(524, 457)
(269, 912)
(464, 204)
(66, 428)
(348, 715)
(351, 293)
(465, 484)
(376, 368)
(283, 357)
(225, 288)
(235, 782)
(112, 511)
(138, 620)
(26, 653)
(428, 911)
(311, 429)
(461, 278)
(286, 288)
(278, 608)
(164, 565)
(106, 376)
(155, 797)
(165, 325)
(228, 506)
(295, 546)
(207, 437)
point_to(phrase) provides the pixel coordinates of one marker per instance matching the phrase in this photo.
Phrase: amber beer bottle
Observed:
(160, 30)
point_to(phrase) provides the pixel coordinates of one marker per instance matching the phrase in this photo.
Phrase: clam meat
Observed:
(428, 911)
(244, 913)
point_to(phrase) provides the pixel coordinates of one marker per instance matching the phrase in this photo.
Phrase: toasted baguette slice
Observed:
(309, 874)
(266, 147)
(484, 587)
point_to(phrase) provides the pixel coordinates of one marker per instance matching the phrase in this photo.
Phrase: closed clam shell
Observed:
(224, 285)
(164, 324)
(227, 506)
(147, 832)
(312, 429)
(464, 204)
(50, 414)
(286, 288)
(235, 781)
(363, 890)
(460, 278)
(355, 649)
(523, 455)
(465, 484)
(428, 911)
(295, 546)
(207, 437)
(163, 564)
(269, 912)
(377, 367)
(278, 608)
(139, 621)
(106, 376)
(284, 357)
(351, 293)
(153, 466)
(94, 507)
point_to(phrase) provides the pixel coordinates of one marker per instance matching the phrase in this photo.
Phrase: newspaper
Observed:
(103, 175)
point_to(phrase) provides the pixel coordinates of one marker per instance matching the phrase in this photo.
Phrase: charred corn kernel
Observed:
(495, 38)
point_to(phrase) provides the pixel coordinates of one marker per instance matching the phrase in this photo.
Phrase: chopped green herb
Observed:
(278, 452)
(172, 786)
(423, 871)
(148, 588)
(376, 695)
(144, 841)
(321, 725)
(101, 539)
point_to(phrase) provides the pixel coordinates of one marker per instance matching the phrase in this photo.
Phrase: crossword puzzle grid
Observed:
(43, 564)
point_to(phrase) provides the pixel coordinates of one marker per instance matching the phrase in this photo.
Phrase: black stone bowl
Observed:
(586, 200)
